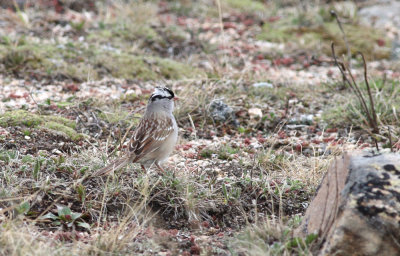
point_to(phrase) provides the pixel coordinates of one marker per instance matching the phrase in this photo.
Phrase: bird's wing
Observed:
(150, 135)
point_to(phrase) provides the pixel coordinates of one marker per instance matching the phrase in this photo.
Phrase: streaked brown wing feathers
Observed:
(149, 135)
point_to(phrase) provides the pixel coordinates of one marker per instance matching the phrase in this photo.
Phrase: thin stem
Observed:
(353, 85)
(333, 13)
(371, 100)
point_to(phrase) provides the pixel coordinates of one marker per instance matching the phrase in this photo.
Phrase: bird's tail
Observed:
(114, 165)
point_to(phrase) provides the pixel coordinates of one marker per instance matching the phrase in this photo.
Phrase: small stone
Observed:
(263, 85)
(255, 113)
(306, 119)
(303, 119)
(56, 151)
(221, 112)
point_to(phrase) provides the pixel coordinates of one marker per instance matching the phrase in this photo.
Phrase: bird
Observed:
(154, 138)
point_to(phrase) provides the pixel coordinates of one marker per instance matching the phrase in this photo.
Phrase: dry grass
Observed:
(19, 237)
(128, 201)
(227, 189)
(386, 107)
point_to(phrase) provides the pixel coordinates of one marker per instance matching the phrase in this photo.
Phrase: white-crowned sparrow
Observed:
(154, 138)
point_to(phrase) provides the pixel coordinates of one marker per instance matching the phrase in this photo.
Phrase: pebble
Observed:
(56, 151)
(302, 119)
(263, 85)
(255, 113)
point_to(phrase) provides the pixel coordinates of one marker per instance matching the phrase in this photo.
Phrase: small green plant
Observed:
(23, 17)
(271, 117)
(297, 243)
(294, 184)
(23, 208)
(80, 189)
(66, 217)
(241, 129)
(8, 155)
(15, 60)
(27, 132)
(36, 168)
(231, 192)
(78, 26)
(227, 152)
(206, 153)
(271, 238)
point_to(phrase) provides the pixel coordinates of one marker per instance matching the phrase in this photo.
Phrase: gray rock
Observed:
(302, 119)
(381, 14)
(384, 15)
(395, 50)
(357, 207)
(220, 112)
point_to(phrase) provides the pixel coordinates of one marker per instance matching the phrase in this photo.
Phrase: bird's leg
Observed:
(159, 167)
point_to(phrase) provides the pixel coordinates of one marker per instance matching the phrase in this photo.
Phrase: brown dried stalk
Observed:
(390, 140)
(371, 101)
(333, 13)
(348, 78)
(352, 84)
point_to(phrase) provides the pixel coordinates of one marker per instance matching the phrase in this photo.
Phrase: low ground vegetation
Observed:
(74, 84)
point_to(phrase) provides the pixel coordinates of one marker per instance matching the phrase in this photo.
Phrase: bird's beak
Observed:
(176, 98)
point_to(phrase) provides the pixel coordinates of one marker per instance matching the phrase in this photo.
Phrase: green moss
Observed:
(144, 68)
(123, 35)
(174, 70)
(103, 34)
(195, 9)
(46, 59)
(20, 118)
(77, 62)
(131, 97)
(59, 127)
(126, 66)
(64, 104)
(361, 39)
(224, 153)
(61, 120)
(320, 33)
(277, 34)
(114, 117)
(145, 32)
(25, 118)
(176, 34)
(248, 6)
